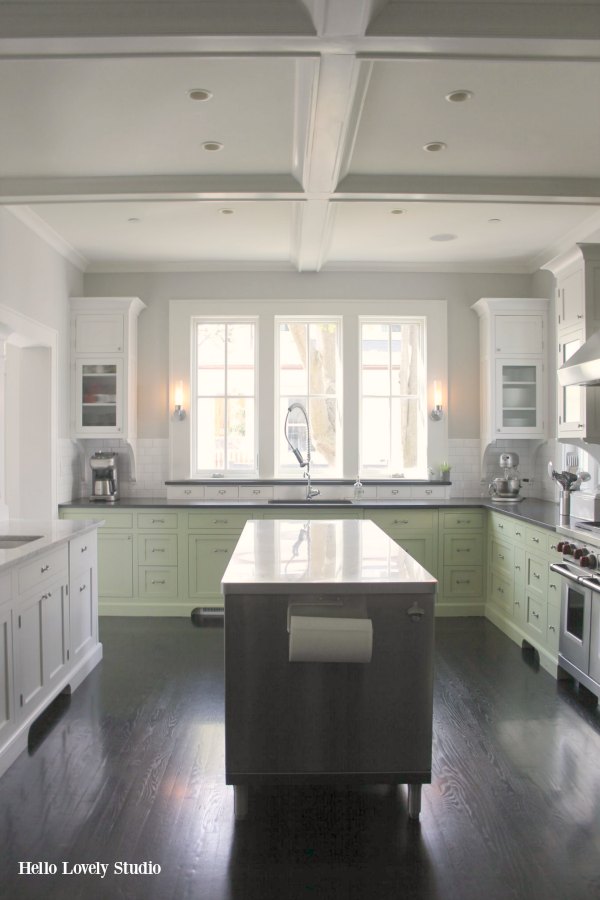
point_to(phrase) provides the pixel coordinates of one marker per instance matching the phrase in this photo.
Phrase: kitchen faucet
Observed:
(304, 463)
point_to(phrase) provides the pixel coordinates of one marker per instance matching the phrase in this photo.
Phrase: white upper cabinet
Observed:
(577, 318)
(104, 367)
(513, 388)
(102, 333)
(519, 335)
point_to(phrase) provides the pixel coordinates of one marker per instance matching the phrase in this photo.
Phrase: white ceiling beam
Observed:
(310, 234)
(342, 17)
(149, 187)
(473, 188)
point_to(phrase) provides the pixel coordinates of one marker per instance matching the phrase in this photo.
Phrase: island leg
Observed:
(240, 801)
(414, 801)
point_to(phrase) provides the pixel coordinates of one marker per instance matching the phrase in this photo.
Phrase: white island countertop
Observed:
(47, 533)
(300, 556)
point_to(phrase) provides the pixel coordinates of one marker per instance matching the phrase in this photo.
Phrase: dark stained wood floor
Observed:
(131, 769)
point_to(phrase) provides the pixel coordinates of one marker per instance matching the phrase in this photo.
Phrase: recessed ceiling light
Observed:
(443, 237)
(459, 96)
(226, 211)
(397, 212)
(212, 145)
(494, 221)
(200, 94)
(434, 146)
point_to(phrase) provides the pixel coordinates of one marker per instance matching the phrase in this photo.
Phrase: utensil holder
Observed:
(565, 504)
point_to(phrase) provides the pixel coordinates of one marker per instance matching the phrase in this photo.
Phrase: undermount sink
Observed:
(12, 541)
(312, 502)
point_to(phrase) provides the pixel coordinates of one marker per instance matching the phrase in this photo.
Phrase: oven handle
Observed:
(562, 570)
(592, 586)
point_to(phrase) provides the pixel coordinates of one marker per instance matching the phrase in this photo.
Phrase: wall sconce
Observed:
(179, 411)
(437, 412)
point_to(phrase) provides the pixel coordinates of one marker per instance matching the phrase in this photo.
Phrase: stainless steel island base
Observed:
(294, 721)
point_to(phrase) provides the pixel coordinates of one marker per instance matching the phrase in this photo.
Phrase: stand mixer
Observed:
(506, 489)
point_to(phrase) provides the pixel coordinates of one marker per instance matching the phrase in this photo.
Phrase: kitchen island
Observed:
(328, 658)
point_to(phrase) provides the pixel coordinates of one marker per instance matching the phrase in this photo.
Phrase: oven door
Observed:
(576, 612)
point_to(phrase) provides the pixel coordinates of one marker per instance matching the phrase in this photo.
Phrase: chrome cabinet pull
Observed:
(535, 614)
(220, 550)
(44, 568)
(82, 588)
(83, 549)
(158, 549)
(187, 490)
(536, 575)
(158, 521)
(157, 581)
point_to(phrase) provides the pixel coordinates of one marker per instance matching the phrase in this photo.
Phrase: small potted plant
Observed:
(445, 471)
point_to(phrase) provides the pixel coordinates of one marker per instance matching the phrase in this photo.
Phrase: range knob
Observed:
(579, 553)
(568, 549)
(589, 561)
(560, 547)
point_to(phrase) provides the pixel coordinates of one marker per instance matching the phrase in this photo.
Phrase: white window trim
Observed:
(225, 320)
(180, 340)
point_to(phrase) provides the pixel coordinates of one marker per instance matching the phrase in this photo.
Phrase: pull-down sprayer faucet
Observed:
(304, 463)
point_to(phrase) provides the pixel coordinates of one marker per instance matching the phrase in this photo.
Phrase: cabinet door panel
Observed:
(82, 613)
(29, 648)
(208, 559)
(519, 335)
(99, 333)
(462, 549)
(99, 397)
(7, 715)
(115, 565)
(54, 634)
(519, 393)
(421, 548)
(571, 298)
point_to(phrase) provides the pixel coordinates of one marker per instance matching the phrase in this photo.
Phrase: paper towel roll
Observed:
(326, 639)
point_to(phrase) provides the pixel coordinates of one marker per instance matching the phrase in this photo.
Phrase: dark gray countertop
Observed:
(536, 512)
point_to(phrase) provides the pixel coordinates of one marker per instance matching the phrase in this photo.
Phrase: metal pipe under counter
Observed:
(328, 658)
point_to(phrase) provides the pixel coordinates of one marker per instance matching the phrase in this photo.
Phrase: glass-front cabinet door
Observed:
(571, 399)
(518, 397)
(99, 396)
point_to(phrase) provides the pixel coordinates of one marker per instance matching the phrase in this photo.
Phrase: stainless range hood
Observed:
(584, 366)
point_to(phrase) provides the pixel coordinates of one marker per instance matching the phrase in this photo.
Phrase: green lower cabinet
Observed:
(208, 558)
(523, 597)
(115, 565)
(421, 547)
(461, 562)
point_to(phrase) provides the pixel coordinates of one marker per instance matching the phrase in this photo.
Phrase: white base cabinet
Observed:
(48, 635)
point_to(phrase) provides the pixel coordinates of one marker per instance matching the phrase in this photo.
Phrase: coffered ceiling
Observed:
(292, 135)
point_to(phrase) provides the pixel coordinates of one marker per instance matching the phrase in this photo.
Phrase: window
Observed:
(224, 390)
(308, 354)
(393, 416)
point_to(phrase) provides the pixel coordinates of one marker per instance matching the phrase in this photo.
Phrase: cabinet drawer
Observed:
(217, 520)
(185, 492)
(44, 567)
(502, 557)
(82, 552)
(158, 520)
(537, 539)
(224, 492)
(458, 518)
(501, 525)
(402, 519)
(463, 548)
(536, 617)
(97, 514)
(501, 592)
(255, 492)
(393, 492)
(537, 575)
(157, 550)
(462, 581)
(156, 581)
(434, 492)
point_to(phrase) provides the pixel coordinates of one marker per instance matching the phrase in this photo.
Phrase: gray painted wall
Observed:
(459, 290)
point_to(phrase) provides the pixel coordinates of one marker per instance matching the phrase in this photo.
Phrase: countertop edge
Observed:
(56, 532)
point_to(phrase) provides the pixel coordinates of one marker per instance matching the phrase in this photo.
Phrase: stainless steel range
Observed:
(579, 643)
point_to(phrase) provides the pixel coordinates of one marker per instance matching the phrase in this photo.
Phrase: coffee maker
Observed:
(105, 481)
